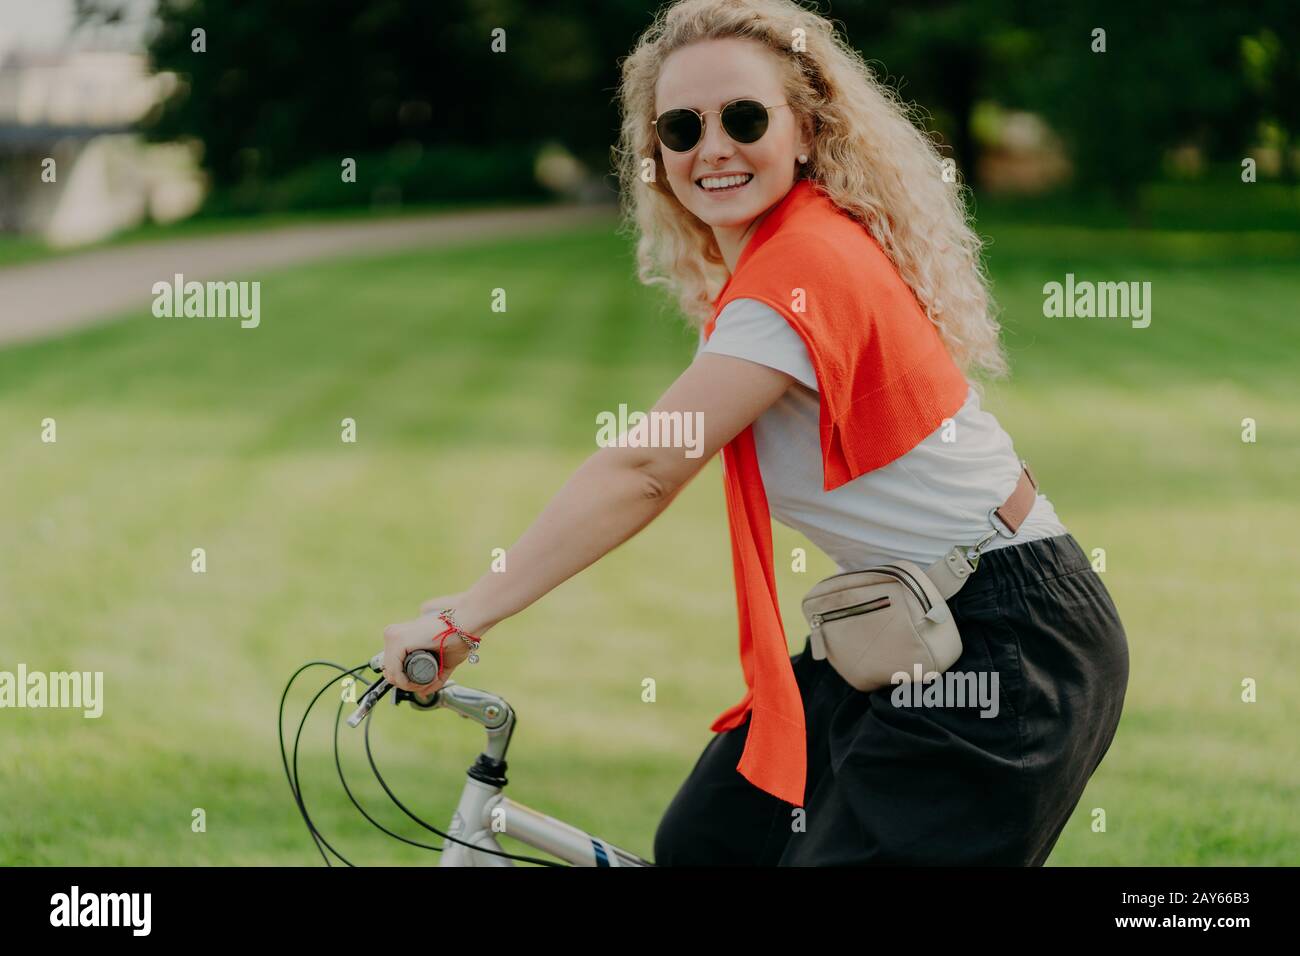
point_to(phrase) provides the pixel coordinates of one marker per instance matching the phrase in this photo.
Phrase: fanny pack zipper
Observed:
(901, 574)
(853, 609)
(915, 585)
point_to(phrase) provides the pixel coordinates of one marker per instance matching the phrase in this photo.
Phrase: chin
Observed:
(728, 218)
(730, 214)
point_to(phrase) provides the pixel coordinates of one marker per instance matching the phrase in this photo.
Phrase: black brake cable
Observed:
(446, 836)
(296, 787)
(346, 789)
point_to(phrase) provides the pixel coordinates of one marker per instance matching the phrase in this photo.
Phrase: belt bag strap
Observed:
(951, 571)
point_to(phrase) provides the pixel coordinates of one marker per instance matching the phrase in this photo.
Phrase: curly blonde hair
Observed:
(868, 155)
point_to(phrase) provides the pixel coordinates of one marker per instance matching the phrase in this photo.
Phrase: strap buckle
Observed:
(973, 553)
(996, 521)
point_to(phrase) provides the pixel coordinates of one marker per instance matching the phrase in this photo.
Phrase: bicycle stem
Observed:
(496, 716)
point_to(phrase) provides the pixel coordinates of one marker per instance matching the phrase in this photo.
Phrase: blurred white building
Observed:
(76, 109)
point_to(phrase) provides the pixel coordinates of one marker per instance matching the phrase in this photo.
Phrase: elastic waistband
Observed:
(1021, 564)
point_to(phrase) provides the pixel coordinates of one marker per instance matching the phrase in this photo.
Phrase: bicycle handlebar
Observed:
(420, 667)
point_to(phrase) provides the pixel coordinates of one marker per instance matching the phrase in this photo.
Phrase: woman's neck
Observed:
(732, 239)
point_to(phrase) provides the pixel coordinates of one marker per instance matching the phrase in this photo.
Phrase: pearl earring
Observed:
(803, 157)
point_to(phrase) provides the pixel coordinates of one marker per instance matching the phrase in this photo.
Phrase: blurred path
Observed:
(51, 297)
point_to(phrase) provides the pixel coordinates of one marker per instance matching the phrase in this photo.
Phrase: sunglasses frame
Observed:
(654, 123)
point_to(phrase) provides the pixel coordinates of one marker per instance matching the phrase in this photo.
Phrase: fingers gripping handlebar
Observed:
(420, 667)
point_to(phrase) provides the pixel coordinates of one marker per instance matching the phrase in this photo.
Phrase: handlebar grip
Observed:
(421, 667)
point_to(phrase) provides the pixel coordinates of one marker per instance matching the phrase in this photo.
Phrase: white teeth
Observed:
(722, 182)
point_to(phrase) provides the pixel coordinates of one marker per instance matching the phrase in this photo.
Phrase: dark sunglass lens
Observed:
(679, 130)
(745, 121)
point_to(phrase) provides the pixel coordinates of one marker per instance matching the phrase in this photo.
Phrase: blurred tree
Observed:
(1271, 63)
(281, 84)
(1170, 74)
(285, 85)
(1193, 72)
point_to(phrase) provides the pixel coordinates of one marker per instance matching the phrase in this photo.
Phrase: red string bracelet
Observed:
(453, 628)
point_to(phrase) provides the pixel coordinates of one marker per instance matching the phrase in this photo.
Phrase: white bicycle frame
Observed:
(484, 811)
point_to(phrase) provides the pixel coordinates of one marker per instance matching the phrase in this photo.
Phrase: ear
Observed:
(806, 136)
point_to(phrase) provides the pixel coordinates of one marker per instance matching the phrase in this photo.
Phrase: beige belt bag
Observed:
(892, 619)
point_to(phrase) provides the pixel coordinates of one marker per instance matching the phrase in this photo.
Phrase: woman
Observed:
(808, 231)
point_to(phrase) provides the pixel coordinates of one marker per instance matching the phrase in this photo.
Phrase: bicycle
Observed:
(483, 811)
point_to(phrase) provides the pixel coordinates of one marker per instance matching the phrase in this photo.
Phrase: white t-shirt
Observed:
(916, 507)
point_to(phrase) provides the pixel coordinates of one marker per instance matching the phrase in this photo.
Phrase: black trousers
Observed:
(900, 783)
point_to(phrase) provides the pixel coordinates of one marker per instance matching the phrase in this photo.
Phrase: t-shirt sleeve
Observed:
(753, 330)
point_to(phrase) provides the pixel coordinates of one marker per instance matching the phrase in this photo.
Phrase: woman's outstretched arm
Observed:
(610, 497)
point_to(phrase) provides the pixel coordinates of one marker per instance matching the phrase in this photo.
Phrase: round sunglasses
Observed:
(745, 121)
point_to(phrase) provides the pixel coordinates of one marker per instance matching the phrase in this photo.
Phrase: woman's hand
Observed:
(419, 634)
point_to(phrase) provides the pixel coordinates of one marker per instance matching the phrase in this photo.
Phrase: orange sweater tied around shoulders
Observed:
(885, 382)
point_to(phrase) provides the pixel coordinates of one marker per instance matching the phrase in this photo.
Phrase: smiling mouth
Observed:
(733, 183)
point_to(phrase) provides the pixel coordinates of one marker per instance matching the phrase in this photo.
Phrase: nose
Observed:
(715, 145)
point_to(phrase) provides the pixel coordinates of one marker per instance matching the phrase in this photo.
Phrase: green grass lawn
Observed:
(177, 434)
